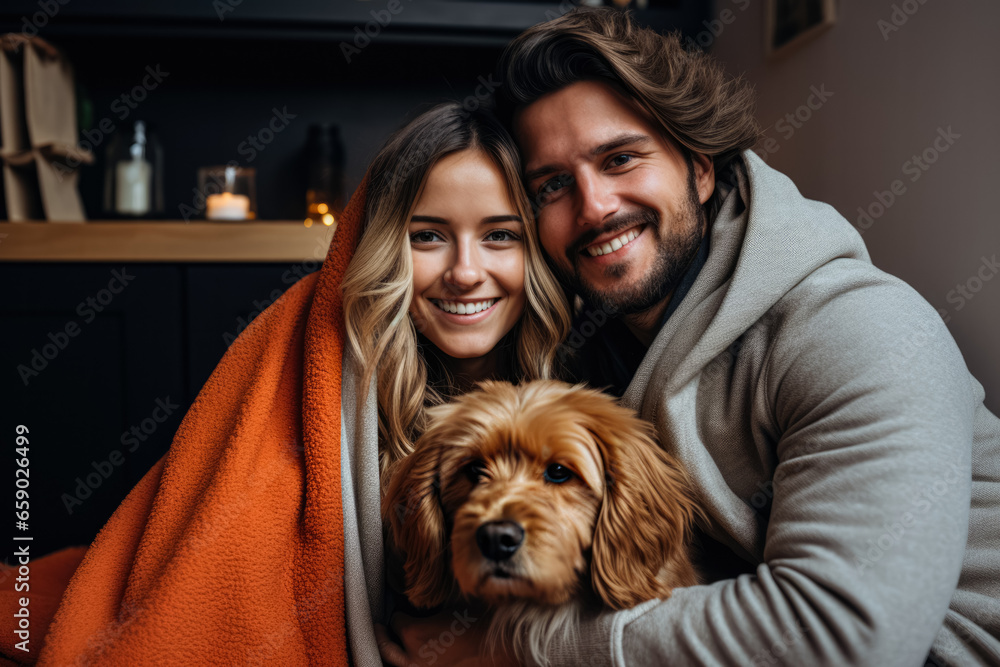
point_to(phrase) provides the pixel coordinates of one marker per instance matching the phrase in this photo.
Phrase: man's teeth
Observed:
(613, 244)
(459, 308)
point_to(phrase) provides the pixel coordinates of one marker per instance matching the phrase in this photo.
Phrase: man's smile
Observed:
(612, 237)
(605, 247)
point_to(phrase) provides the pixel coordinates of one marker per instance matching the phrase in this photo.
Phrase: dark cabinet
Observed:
(101, 363)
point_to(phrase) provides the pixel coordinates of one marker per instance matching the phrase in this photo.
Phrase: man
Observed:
(835, 469)
(839, 444)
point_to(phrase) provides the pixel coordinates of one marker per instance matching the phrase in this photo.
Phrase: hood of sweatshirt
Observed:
(766, 238)
(764, 241)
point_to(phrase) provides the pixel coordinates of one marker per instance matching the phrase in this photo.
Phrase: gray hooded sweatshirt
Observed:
(840, 447)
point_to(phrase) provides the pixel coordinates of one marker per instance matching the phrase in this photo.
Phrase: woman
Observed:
(447, 287)
(256, 536)
(447, 228)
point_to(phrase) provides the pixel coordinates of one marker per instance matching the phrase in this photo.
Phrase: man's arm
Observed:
(869, 518)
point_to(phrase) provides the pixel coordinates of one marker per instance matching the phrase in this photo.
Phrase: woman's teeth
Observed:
(613, 244)
(459, 308)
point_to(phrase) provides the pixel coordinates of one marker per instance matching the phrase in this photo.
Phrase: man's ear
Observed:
(704, 175)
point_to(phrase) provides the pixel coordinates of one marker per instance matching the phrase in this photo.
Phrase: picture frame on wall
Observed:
(788, 24)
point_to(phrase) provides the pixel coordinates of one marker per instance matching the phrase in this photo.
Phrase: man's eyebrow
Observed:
(541, 171)
(617, 142)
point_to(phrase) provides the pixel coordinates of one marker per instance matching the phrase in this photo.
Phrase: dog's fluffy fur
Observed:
(616, 529)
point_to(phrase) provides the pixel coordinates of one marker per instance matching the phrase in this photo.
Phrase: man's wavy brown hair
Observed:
(688, 93)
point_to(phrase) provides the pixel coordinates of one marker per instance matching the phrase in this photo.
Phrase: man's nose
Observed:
(597, 199)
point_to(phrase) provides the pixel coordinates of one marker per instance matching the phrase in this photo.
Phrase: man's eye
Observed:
(621, 160)
(424, 236)
(502, 235)
(552, 186)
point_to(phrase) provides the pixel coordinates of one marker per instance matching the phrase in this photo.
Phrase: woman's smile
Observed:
(467, 313)
(465, 308)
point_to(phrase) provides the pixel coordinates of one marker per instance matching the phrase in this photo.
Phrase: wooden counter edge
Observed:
(258, 241)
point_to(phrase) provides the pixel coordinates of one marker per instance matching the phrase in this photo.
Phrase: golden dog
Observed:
(535, 499)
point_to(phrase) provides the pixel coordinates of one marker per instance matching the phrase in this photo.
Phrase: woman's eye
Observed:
(621, 160)
(502, 235)
(424, 236)
(557, 474)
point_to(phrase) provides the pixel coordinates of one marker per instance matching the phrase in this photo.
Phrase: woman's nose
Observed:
(466, 271)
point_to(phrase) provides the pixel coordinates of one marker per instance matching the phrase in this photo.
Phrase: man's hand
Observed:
(451, 637)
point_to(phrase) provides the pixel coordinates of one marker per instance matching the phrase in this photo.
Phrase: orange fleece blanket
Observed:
(231, 548)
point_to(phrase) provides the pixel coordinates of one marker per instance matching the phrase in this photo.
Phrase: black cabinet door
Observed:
(101, 363)
(222, 300)
(92, 359)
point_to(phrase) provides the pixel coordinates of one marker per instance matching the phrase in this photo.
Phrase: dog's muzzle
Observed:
(499, 540)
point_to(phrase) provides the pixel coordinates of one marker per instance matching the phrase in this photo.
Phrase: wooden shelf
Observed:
(163, 242)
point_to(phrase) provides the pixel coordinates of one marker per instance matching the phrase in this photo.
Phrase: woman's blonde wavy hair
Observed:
(378, 285)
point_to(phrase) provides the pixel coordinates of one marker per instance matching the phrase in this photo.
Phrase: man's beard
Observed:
(673, 257)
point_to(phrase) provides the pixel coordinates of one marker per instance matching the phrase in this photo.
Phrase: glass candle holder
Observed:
(230, 192)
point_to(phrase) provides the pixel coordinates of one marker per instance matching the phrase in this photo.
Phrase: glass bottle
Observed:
(133, 173)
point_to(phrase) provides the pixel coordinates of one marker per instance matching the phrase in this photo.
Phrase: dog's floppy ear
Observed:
(412, 513)
(641, 537)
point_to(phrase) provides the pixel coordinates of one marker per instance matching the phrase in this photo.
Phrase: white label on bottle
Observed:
(132, 187)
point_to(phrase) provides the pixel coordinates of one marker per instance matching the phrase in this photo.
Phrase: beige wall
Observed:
(890, 95)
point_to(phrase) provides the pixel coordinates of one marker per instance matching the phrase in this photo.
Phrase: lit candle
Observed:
(227, 206)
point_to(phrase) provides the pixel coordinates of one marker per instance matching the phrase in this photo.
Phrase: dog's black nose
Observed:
(498, 540)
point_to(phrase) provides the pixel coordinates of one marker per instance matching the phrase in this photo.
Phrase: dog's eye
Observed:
(557, 474)
(475, 471)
